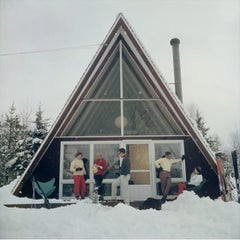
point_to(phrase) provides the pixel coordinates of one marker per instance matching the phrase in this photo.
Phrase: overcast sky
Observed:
(209, 31)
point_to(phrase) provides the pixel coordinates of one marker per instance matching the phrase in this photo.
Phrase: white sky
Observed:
(209, 31)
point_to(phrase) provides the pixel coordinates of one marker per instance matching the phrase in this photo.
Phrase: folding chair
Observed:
(44, 189)
(197, 189)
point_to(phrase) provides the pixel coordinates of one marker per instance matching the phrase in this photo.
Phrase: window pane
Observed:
(175, 149)
(68, 190)
(69, 154)
(139, 156)
(107, 85)
(148, 118)
(135, 84)
(95, 118)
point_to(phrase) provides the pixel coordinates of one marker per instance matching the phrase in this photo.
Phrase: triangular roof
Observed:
(154, 84)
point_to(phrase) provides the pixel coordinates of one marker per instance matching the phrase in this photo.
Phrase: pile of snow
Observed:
(187, 217)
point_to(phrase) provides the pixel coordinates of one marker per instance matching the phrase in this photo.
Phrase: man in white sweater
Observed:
(195, 180)
(165, 164)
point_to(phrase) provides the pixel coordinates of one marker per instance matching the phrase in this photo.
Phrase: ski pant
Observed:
(181, 187)
(98, 181)
(184, 186)
(79, 186)
(166, 182)
(122, 181)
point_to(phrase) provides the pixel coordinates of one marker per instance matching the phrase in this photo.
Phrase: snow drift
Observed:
(187, 217)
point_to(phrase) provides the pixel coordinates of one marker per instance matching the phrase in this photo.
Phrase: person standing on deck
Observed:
(165, 164)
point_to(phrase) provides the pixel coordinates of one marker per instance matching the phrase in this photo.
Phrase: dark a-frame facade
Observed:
(121, 101)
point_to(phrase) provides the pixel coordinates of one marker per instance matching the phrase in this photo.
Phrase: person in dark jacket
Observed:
(123, 165)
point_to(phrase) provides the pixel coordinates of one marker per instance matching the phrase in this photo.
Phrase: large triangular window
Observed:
(121, 102)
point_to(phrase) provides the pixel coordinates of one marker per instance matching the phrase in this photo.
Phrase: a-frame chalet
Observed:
(121, 101)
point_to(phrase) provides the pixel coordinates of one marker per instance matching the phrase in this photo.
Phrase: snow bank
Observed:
(187, 217)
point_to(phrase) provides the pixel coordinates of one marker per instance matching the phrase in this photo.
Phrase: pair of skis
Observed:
(224, 184)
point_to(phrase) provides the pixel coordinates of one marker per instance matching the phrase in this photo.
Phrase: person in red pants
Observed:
(195, 180)
(78, 170)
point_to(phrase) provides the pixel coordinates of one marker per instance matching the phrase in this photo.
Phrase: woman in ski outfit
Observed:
(195, 180)
(78, 170)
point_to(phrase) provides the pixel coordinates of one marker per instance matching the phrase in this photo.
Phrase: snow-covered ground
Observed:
(187, 217)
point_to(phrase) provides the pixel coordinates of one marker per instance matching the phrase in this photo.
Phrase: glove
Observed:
(183, 157)
(79, 169)
(160, 169)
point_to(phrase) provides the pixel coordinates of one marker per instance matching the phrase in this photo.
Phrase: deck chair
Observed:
(197, 189)
(44, 189)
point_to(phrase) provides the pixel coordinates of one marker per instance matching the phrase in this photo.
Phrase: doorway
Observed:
(141, 174)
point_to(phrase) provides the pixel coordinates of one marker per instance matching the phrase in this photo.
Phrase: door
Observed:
(141, 176)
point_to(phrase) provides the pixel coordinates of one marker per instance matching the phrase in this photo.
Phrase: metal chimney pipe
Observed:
(177, 70)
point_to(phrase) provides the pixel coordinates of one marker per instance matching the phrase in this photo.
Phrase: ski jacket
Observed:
(101, 166)
(125, 167)
(195, 179)
(77, 163)
(166, 163)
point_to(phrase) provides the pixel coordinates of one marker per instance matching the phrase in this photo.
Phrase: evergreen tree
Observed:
(201, 124)
(30, 142)
(212, 140)
(40, 131)
(18, 143)
(10, 132)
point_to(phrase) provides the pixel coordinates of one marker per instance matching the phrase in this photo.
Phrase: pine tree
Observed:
(19, 143)
(212, 140)
(40, 131)
(31, 141)
(11, 130)
(23, 154)
(201, 124)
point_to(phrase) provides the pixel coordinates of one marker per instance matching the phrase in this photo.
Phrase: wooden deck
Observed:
(135, 204)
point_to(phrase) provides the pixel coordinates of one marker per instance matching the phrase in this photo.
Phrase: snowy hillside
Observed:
(187, 217)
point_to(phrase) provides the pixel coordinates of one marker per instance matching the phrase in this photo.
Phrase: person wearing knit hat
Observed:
(195, 180)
